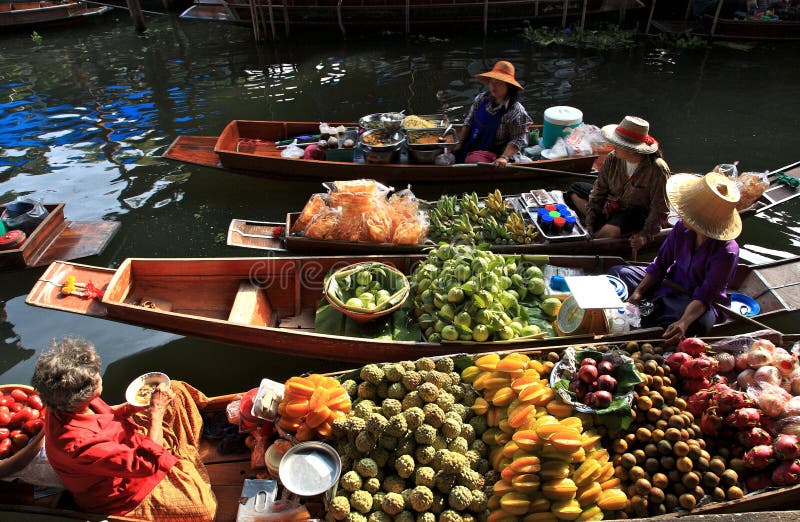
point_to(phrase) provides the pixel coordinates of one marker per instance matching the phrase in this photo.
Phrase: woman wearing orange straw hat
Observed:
(627, 199)
(496, 127)
(696, 262)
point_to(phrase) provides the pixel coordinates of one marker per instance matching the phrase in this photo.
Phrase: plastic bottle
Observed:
(632, 316)
(619, 324)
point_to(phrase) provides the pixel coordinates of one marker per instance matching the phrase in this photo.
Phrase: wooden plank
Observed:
(250, 306)
(78, 239)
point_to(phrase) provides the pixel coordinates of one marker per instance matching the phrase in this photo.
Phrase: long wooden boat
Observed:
(58, 238)
(397, 14)
(275, 237)
(227, 473)
(270, 303)
(19, 15)
(752, 29)
(249, 147)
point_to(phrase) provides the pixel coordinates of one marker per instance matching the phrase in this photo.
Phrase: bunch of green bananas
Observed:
(494, 232)
(470, 205)
(520, 232)
(496, 205)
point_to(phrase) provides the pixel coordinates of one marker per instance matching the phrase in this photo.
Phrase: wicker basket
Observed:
(20, 459)
(398, 293)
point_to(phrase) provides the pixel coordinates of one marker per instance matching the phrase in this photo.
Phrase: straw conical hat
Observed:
(706, 203)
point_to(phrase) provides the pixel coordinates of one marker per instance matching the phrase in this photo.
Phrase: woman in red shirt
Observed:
(122, 460)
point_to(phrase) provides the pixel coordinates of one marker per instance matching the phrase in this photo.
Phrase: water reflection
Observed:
(85, 116)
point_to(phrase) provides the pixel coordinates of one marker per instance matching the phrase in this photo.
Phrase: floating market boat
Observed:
(228, 471)
(272, 236)
(19, 15)
(56, 238)
(271, 303)
(250, 147)
(383, 14)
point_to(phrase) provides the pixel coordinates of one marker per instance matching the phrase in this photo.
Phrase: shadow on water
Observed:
(85, 116)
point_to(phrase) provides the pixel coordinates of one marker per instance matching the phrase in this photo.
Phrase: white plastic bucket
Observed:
(559, 122)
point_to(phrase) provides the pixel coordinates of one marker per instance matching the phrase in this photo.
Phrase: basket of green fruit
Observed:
(366, 291)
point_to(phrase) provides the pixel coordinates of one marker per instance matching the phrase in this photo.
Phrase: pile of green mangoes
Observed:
(366, 287)
(466, 294)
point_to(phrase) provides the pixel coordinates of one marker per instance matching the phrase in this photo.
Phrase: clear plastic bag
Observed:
(292, 151)
(403, 206)
(314, 206)
(324, 224)
(412, 231)
(580, 140)
(751, 187)
(24, 214)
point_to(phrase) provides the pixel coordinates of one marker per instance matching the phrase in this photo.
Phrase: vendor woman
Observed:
(138, 462)
(495, 129)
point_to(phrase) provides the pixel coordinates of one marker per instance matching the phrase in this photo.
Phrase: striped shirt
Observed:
(513, 128)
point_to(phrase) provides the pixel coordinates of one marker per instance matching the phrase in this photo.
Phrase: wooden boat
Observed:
(752, 29)
(18, 15)
(270, 303)
(382, 13)
(249, 147)
(58, 238)
(227, 473)
(273, 237)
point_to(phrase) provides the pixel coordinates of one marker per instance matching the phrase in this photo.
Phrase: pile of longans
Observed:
(550, 466)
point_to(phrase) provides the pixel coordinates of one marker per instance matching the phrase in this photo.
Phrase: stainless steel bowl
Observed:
(388, 140)
(391, 121)
(427, 152)
(371, 121)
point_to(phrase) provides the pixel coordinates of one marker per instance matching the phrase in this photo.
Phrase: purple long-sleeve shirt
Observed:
(705, 272)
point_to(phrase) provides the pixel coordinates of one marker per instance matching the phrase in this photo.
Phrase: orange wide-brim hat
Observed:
(503, 71)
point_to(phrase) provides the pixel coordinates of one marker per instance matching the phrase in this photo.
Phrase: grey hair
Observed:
(67, 374)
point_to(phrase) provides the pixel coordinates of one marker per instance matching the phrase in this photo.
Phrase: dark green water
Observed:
(85, 116)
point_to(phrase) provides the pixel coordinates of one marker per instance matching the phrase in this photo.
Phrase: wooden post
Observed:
(339, 16)
(650, 18)
(716, 17)
(623, 10)
(271, 19)
(583, 17)
(408, 16)
(285, 17)
(485, 17)
(136, 13)
(535, 8)
(688, 9)
(167, 5)
(254, 20)
(564, 15)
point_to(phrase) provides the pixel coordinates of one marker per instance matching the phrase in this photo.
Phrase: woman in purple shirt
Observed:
(696, 262)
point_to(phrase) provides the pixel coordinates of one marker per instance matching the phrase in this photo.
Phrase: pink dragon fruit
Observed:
(676, 360)
(787, 473)
(757, 482)
(710, 422)
(744, 418)
(695, 385)
(698, 402)
(755, 436)
(702, 366)
(759, 457)
(693, 346)
(787, 447)
(730, 400)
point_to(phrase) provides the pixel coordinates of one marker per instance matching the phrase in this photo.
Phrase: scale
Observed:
(584, 311)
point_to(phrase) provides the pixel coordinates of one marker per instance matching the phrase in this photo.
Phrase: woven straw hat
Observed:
(632, 133)
(706, 203)
(503, 71)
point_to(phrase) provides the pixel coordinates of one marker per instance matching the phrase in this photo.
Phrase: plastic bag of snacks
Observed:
(412, 231)
(403, 206)
(751, 187)
(324, 224)
(314, 206)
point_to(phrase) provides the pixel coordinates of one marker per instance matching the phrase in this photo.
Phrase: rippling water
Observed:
(85, 116)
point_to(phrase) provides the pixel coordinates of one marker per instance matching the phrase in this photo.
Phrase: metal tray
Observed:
(542, 198)
(578, 232)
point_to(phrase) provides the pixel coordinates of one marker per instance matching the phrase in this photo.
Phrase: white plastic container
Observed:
(559, 122)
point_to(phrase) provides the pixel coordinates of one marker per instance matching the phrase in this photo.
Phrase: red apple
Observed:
(605, 367)
(588, 361)
(606, 383)
(587, 373)
(602, 399)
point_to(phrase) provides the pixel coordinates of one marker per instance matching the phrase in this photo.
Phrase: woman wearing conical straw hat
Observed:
(496, 127)
(696, 262)
(627, 199)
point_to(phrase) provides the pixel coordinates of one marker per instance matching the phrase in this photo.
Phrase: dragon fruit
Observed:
(759, 457)
(729, 400)
(787, 473)
(693, 346)
(695, 385)
(757, 482)
(698, 402)
(702, 366)
(755, 436)
(744, 418)
(786, 447)
(676, 360)
(710, 422)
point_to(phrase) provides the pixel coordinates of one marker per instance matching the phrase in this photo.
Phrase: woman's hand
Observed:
(635, 298)
(501, 162)
(638, 242)
(675, 332)
(161, 398)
